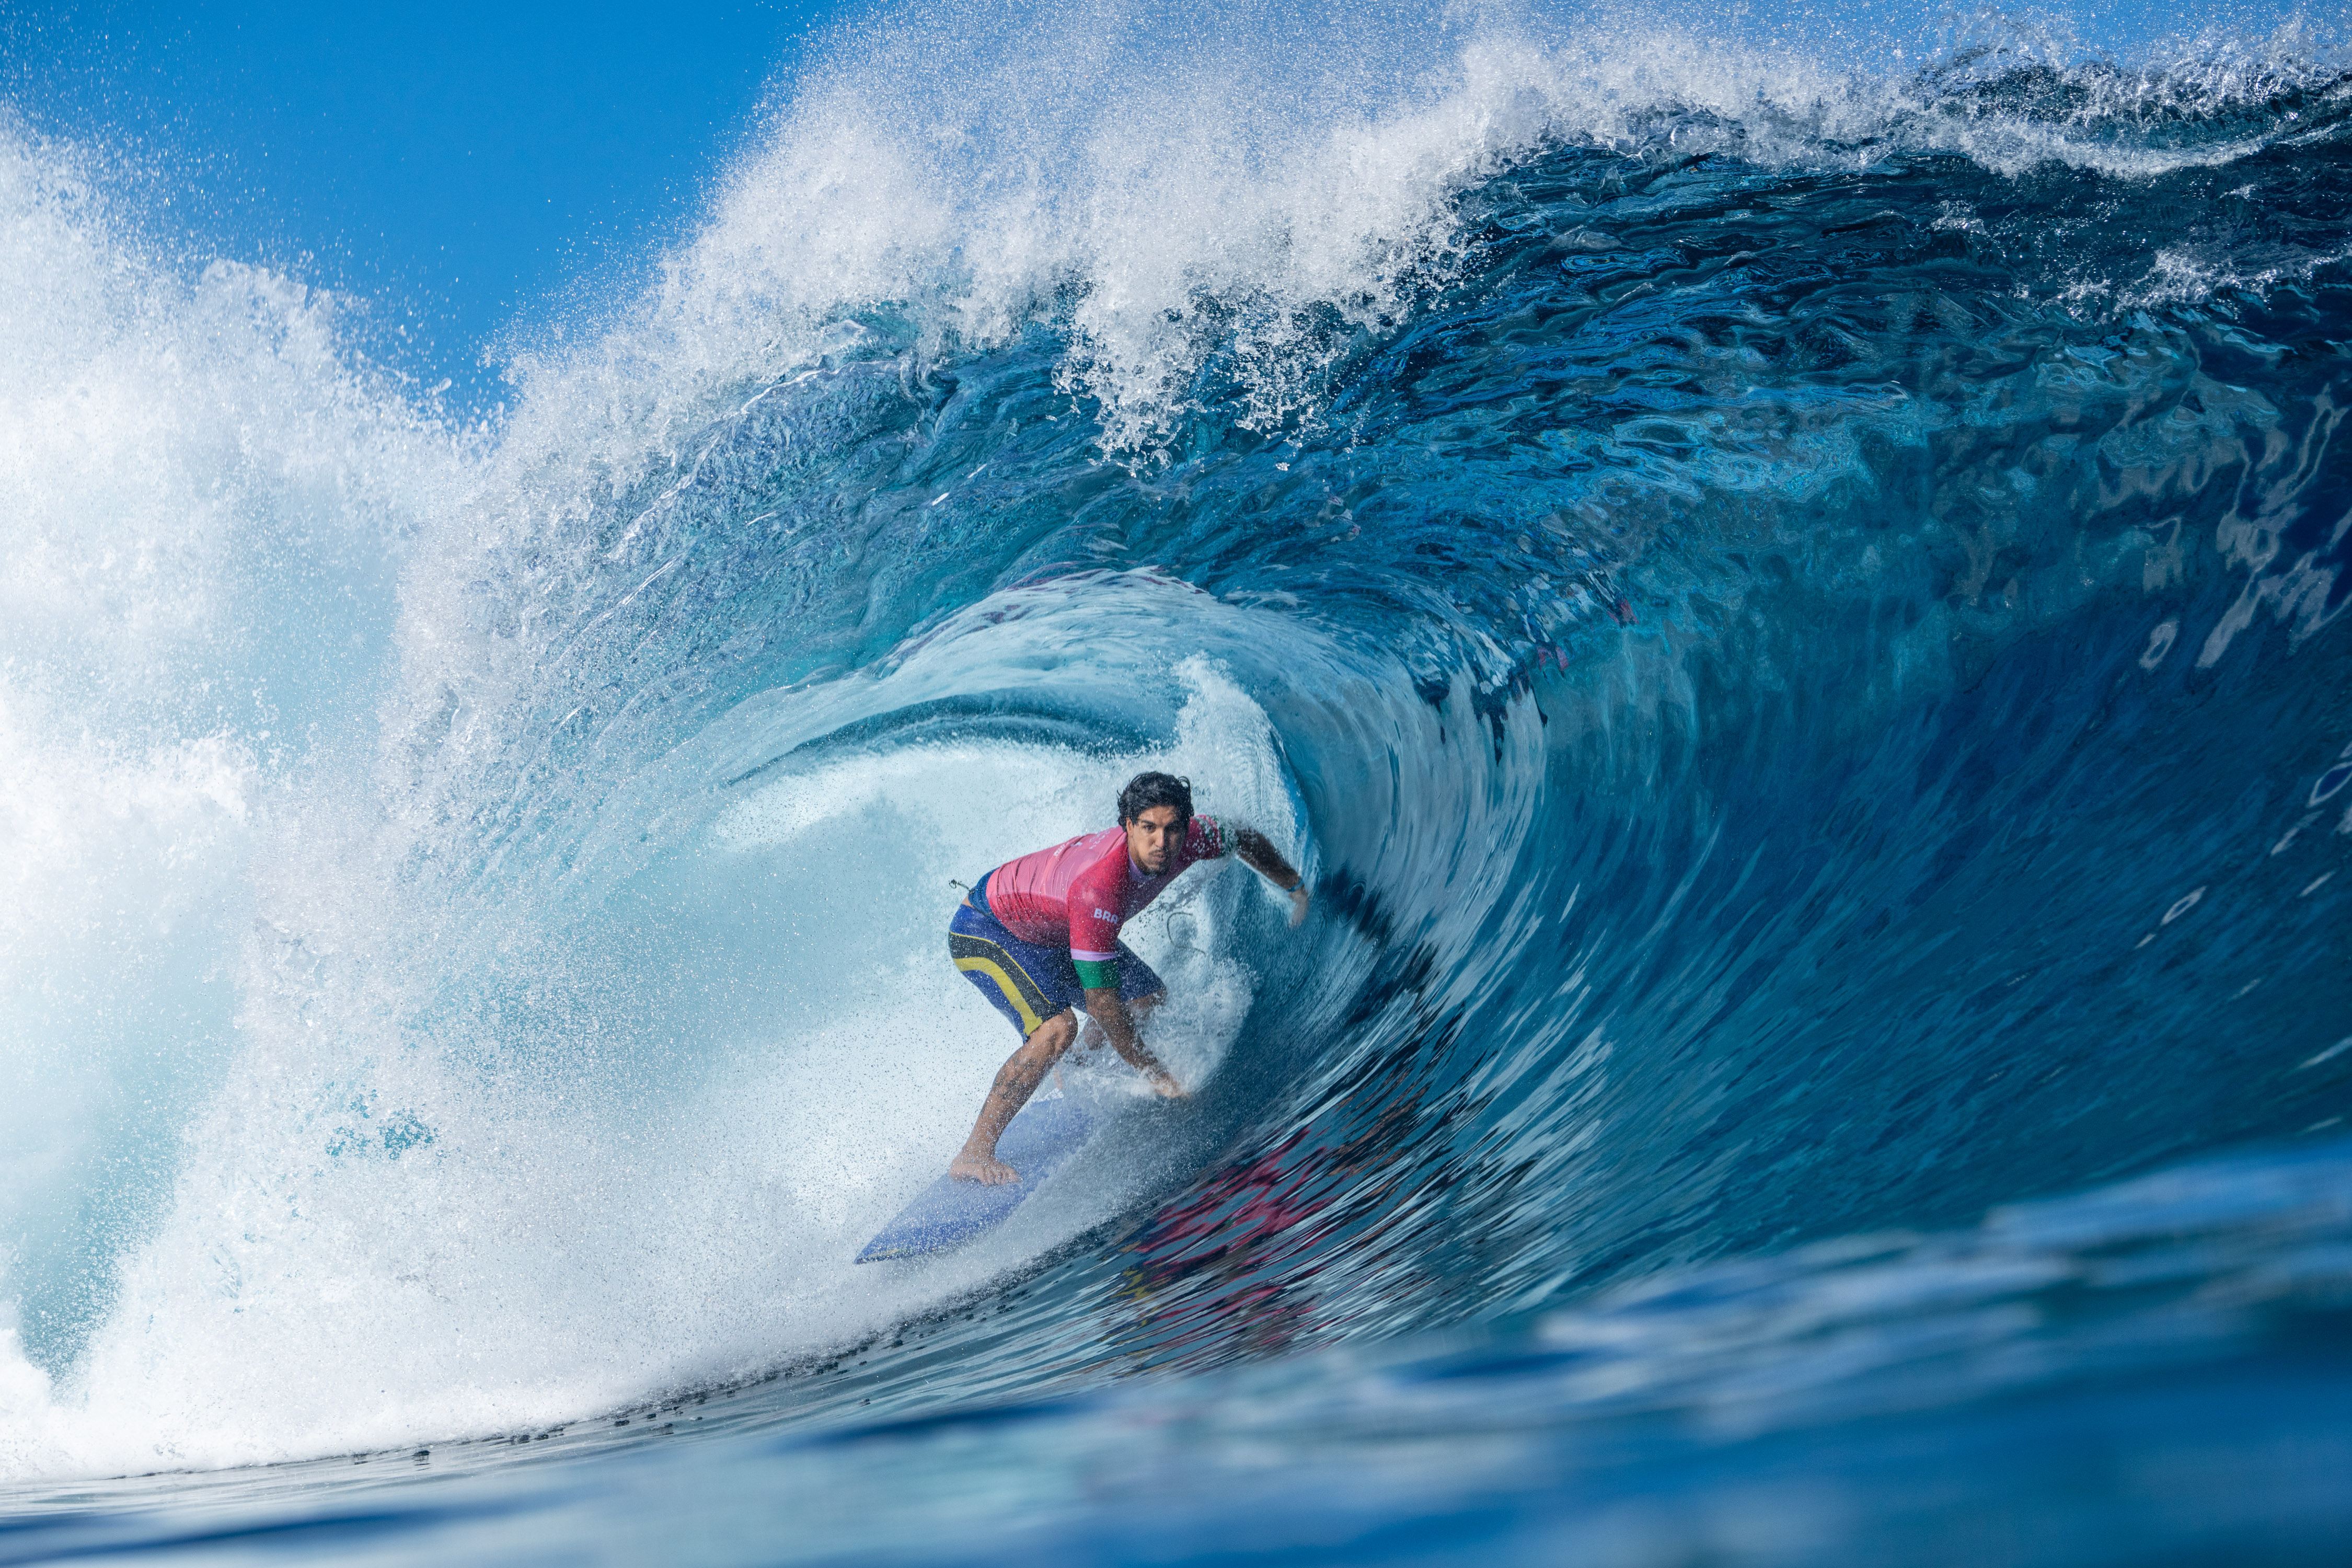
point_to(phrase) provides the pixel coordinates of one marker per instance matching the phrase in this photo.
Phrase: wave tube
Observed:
(1795, 619)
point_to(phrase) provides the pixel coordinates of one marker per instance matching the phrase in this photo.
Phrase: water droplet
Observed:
(2329, 1055)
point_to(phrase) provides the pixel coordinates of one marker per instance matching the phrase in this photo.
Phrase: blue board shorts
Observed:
(1027, 982)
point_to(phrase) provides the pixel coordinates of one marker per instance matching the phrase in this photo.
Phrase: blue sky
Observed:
(459, 164)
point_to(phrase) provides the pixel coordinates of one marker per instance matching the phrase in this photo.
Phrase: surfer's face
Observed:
(1152, 836)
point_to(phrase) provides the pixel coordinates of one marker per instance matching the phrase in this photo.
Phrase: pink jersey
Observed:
(1083, 891)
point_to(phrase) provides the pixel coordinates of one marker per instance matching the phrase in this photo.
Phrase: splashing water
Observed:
(1792, 614)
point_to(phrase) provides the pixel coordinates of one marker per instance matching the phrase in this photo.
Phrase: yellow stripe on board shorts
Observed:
(977, 955)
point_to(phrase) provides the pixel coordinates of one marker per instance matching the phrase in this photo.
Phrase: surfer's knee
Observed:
(1052, 1038)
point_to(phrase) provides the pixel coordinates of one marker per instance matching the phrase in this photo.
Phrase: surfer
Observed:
(1039, 936)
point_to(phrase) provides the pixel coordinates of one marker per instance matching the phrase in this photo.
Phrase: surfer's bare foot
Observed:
(1166, 1087)
(983, 1168)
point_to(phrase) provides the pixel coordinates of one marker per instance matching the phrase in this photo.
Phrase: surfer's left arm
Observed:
(1260, 856)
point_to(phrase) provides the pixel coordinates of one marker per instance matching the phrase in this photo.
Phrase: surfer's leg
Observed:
(1017, 1080)
(1036, 987)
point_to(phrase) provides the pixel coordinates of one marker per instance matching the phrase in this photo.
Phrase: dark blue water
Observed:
(1797, 628)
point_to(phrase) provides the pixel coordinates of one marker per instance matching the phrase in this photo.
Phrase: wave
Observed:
(2067, 1372)
(1167, 202)
(1793, 615)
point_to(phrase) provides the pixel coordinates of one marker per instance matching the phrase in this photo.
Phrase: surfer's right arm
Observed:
(1107, 1008)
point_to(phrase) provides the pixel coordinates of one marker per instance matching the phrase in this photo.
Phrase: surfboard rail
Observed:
(949, 1213)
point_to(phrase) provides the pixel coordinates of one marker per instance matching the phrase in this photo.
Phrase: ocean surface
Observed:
(1791, 605)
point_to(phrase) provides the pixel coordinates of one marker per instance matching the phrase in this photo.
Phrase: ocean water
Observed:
(1791, 605)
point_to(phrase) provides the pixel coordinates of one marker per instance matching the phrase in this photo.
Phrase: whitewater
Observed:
(1790, 603)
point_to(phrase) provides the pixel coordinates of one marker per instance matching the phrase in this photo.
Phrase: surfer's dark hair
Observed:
(1145, 791)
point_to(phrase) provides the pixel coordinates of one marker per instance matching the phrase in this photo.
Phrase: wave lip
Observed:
(1170, 205)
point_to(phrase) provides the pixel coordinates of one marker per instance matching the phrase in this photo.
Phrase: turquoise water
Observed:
(1791, 613)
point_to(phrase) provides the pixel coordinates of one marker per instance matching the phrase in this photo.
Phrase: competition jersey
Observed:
(1081, 891)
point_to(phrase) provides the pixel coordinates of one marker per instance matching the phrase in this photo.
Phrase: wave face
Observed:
(1793, 617)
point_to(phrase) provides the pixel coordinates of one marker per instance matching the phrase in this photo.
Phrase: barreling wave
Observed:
(1795, 616)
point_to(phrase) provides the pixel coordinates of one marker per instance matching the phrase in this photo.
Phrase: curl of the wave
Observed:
(490, 925)
(1161, 194)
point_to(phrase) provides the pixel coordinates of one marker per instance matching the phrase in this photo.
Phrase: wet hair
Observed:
(1145, 791)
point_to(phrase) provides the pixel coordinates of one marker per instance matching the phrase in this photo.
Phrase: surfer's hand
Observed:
(1166, 1087)
(1299, 898)
(983, 1168)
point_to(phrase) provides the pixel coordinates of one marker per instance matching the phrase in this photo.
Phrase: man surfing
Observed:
(1039, 936)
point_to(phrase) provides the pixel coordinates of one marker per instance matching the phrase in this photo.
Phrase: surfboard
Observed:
(949, 1213)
